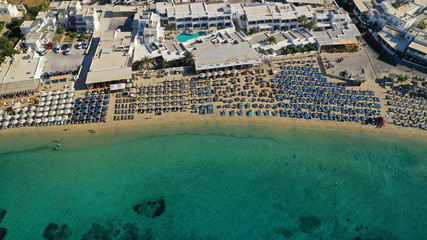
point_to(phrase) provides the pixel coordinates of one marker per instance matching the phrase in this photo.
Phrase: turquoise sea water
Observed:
(183, 37)
(217, 182)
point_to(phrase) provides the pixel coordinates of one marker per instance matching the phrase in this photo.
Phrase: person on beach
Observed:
(58, 140)
(94, 130)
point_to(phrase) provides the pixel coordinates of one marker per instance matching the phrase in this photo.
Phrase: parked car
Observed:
(57, 49)
(78, 46)
(85, 44)
(67, 52)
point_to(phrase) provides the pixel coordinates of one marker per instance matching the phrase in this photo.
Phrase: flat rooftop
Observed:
(208, 53)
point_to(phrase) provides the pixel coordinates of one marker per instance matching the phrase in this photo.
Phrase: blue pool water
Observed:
(183, 37)
(217, 181)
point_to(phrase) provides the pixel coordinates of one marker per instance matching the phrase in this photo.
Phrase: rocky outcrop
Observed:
(55, 232)
(2, 214)
(151, 208)
(3, 232)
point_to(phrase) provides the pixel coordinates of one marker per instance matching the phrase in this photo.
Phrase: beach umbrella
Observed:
(209, 74)
(38, 120)
(45, 114)
(91, 104)
(23, 115)
(17, 116)
(42, 99)
(214, 74)
(106, 97)
(99, 98)
(78, 100)
(68, 105)
(30, 120)
(61, 112)
(40, 109)
(64, 95)
(32, 114)
(70, 100)
(221, 73)
(71, 94)
(55, 102)
(73, 119)
(95, 115)
(227, 72)
(33, 108)
(62, 106)
(49, 98)
(65, 91)
(49, 93)
(46, 109)
(84, 106)
(56, 97)
(75, 111)
(39, 114)
(92, 99)
(52, 113)
(103, 115)
(17, 110)
(105, 103)
(54, 107)
(97, 110)
(65, 117)
(52, 119)
(25, 109)
(67, 111)
(48, 103)
(41, 104)
(23, 121)
(234, 71)
(76, 106)
(98, 104)
(88, 117)
(14, 122)
(63, 101)
(85, 100)
(7, 117)
(90, 111)
(82, 110)
(202, 75)
(59, 118)
(44, 94)
(81, 118)
(5, 123)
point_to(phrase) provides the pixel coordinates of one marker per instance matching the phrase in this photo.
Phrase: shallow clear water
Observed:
(217, 182)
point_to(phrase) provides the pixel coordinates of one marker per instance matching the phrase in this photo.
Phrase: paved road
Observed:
(87, 60)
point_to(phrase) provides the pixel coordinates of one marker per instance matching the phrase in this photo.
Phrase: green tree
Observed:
(422, 25)
(302, 19)
(1, 27)
(271, 40)
(298, 49)
(60, 31)
(171, 27)
(290, 51)
(262, 51)
(136, 66)
(396, 4)
(146, 62)
(252, 31)
(188, 58)
(166, 64)
(73, 35)
(311, 26)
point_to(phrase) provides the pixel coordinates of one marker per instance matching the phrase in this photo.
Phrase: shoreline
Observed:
(166, 121)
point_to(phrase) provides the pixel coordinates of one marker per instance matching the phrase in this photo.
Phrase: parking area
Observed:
(59, 62)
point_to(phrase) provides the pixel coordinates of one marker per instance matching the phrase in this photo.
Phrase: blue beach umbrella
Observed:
(95, 115)
(97, 110)
(92, 99)
(77, 106)
(102, 115)
(78, 100)
(104, 109)
(105, 103)
(88, 117)
(85, 100)
(75, 111)
(98, 104)
(91, 104)
(106, 97)
(90, 111)
(81, 118)
(73, 119)
(84, 106)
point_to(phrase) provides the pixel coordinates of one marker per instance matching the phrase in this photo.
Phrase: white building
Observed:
(195, 15)
(9, 9)
(417, 49)
(86, 20)
(20, 74)
(112, 62)
(147, 27)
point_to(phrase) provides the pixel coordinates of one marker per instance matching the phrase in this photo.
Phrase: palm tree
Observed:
(166, 64)
(302, 19)
(262, 51)
(146, 61)
(188, 58)
(422, 25)
(289, 50)
(171, 27)
(311, 26)
(252, 31)
(271, 40)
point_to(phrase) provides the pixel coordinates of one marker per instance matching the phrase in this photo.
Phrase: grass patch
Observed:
(58, 37)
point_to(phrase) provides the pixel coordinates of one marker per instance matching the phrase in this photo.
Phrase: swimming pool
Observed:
(183, 37)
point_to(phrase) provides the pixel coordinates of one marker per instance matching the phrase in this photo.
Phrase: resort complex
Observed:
(78, 63)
